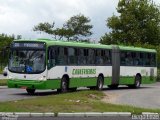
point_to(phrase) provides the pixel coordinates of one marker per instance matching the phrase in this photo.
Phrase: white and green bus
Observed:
(50, 64)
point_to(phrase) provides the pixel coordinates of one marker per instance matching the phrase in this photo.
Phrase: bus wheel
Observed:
(30, 91)
(92, 88)
(99, 83)
(113, 86)
(137, 82)
(73, 89)
(64, 85)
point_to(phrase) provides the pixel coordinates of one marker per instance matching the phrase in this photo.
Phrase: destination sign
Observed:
(28, 45)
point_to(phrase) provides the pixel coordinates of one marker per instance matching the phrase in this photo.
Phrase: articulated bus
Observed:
(49, 64)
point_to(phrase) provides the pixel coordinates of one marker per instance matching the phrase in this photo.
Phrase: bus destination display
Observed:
(28, 45)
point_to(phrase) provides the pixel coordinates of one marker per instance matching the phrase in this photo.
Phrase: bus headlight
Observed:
(10, 77)
(42, 78)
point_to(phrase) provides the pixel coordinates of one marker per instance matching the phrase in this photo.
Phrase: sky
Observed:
(20, 16)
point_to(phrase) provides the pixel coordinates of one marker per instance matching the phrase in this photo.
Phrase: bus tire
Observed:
(64, 85)
(73, 89)
(113, 86)
(92, 88)
(30, 91)
(137, 82)
(100, 83)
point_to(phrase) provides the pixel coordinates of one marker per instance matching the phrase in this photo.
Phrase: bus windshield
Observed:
(27, 61)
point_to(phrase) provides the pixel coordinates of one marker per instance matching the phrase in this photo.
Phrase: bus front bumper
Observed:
(34, 84)
(30, 84)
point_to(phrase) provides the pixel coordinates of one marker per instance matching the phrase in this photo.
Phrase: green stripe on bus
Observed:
(49, 84)
(74, 82)
(107, 80)
(126, 80)
(86, 82)
(148, 80)
(129, 80)
(82, 82)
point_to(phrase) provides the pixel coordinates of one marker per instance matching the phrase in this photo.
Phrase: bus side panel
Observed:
(152, 78)
(126, 80)
(107, 73)
(53, 84)
(79, 77)
(82, 82)
(147, 80)
(128, 74)
(86, 82)
(107, 80)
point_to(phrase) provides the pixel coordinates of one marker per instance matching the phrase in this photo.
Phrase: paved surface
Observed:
(18, 94)
(148, 96)
(2, 77)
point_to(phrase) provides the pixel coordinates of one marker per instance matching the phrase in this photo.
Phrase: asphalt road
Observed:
(9, 94)
(148, 96)
(2, 77)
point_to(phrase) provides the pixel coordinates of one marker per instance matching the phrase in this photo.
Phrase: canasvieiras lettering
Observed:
(83, 71)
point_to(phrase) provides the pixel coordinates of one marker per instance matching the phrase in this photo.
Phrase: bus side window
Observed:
(91, 57)
(123, 55)
(97, 56)
(81, 57)
(142, 61)
(85, 56)
(99, 59)
(137, 59)
(106, 57)
(72, 57)
(62, 56)
(51, 58)
(147, 59)
(153, 60)
(133, 58)
(129, 59)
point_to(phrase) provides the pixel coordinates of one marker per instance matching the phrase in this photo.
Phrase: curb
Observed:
(3, 87)
(117, 114)
(94, 114)
(71, 114)
(149, 113)
(23, 114)
(78, 114)
(26, 114)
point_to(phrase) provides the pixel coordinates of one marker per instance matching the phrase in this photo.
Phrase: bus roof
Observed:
(50, 42)
(136, 49)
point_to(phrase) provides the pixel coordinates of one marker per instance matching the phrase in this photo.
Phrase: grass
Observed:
(3, 82)
(82, 101)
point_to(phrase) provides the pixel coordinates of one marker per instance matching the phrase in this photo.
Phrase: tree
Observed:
(77, 27)
(138, 22)
(5, 41)
(45, 27)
